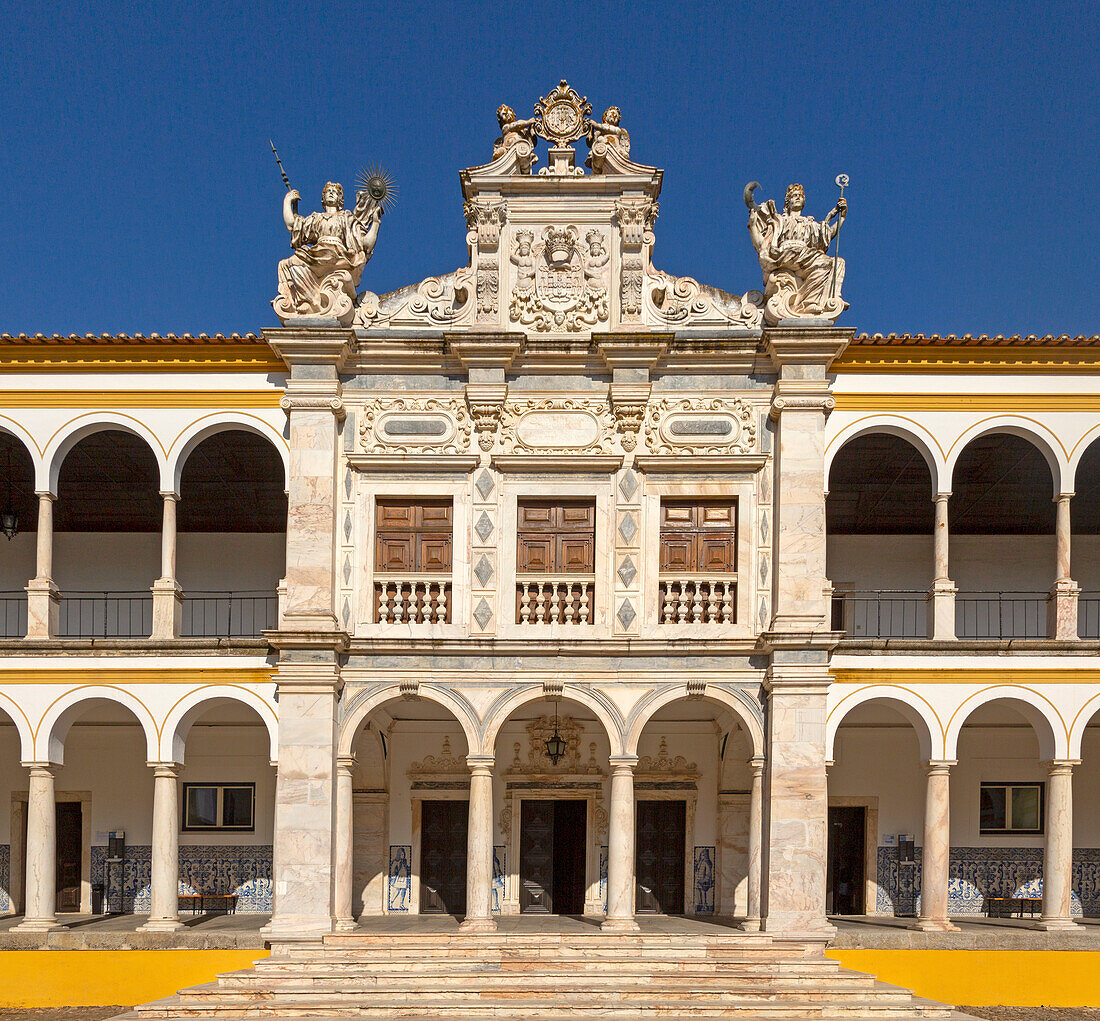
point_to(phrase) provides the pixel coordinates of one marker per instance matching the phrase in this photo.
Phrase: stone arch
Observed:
(917, 711)
(365, 703)
(602, 708)
(34, 452)
(915, 434)
(1050, 729)
(1076, 456)
(739, 707)
(1080, 722)
(177, 724)
(70, 434)
(10, 708)
(1035, 433)
(53, 728)
(210, 425)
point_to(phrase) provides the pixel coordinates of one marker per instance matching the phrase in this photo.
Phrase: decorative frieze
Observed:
(415, 425)
(700, 425)
(557, 425)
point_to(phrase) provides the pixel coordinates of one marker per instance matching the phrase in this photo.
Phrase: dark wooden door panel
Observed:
(68, 815)
(536, 857)
(844, 874)
(570, 825)
(659, 857)
(443, 857)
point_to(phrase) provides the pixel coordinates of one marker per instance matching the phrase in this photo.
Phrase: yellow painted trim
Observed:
(140, 675)
(900, 687)
(140, 398)
(139, 358)
(986, 978)
(1006, 403)
(103, 978)
(965, 358)
(1005, 676)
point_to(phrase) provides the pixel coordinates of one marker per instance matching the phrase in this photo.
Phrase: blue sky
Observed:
(141, 194)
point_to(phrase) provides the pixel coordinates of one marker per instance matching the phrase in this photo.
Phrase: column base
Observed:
(161, 925)
(167, 608)
(750, 925)
(934, 925)
(43, 608)
(309, 930)
(1062, 611)
(346, 925)
(476, 925)
(37, 925)
(1055, 925)
(619, 925)
(940, 602)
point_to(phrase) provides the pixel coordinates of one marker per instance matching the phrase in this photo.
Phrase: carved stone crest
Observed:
(415, 425)
(561, 115)
(701, 425)
(561, 286)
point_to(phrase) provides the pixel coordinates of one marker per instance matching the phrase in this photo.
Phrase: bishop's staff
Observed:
(842, 183)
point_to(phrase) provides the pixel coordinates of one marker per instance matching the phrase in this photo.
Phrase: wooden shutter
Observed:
(556, 537)
(698, 536)
(413, 536)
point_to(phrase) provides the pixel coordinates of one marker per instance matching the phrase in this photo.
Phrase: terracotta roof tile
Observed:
(969, 340)
(137, 338)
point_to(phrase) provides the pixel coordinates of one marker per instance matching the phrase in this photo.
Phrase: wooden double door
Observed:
(443, 827)
(553, 837)
(844, 875)
(660, 836)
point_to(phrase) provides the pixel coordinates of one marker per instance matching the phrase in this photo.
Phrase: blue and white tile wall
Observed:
(204, 868)
(603, 875)
(399, 888)
(5, 878)
(977, 873)
(498, 877)
(703, 893)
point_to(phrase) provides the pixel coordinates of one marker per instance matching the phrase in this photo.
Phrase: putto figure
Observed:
(604, 135)
(330, 250)
(514, 132)
(801, 281)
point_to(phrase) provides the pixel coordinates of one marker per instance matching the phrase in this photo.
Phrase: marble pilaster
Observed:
(756, 815)
(941, 596)
(1058, 850)
(936, 850)
(345, 844)
(165, 856)
(620, 846)
(43, 597)
(479, 847)
(41, 888)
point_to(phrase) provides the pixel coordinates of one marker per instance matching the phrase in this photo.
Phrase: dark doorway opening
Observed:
(552, 857)
(68, 855)
(844, 879)
(443, 857)
(659, 857)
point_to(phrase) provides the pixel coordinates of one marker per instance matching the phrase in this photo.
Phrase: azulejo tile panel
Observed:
(5, 878)
(498, 877)
(399, 887)
(703, 893)
(977, 873)
(203, 868)
(603, 875)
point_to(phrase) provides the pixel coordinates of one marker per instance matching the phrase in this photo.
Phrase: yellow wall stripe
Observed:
(139, 358)
(155, 675)
(962, 675)
(997, 402)
(954, 358)
(140, 398)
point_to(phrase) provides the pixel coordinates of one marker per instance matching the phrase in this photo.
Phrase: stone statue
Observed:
(801, 281)
(514, 132)
(595, 262)
(523, 258)
(604, 135)
(330, 250)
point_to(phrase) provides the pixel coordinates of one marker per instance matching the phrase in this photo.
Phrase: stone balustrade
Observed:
(560, 599)
(703, 600)
(413, 599)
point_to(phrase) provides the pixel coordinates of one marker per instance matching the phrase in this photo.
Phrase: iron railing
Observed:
(105, 615)
(884, 613)
(13, 614)
(229, 614)
(1088, 615)
(1001, 615)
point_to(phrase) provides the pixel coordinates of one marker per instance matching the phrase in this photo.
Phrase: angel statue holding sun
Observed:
(331, 248)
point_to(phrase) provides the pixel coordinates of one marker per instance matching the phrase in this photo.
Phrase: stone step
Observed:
(610, 951)
(729, 971)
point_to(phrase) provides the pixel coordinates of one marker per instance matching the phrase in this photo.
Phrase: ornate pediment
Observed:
(665, 767)
(535, 764)
(446, 768)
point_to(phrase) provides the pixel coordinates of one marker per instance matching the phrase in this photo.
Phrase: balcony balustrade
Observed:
(1088, 615)
(105, 615)
(560, 599)
(13, 614)
(699, 600)
(881, 614)
(229, 614)
(415, 599)
(1001, 615)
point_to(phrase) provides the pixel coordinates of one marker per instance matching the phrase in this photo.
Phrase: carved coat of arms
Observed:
(560, 284)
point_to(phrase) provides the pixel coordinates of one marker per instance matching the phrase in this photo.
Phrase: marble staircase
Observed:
(512, 975)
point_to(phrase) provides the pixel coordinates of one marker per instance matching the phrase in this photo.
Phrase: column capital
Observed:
(481, 764)
(45, 768)
(171, 769)
(45, 494)
(941, 497)
(757, 764)
(345, 763)
(622, 763)
(169, 494)
(1063, 766)
(939, 766)
(1064, 496)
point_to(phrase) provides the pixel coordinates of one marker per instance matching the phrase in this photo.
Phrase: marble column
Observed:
(165, 864)
(43, 597)
(1058, 850)
(756, 815)
(620, 847)
(41, 888)
(1062, 600)
(941, 596)
(936, 850)
(796, 795)
(167, 594)
(479, 847)
(345, 844)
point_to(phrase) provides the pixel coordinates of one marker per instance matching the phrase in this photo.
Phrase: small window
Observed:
(413, 537)
(1011, 808)
(698, 537)
(219, 806)
(556, 537)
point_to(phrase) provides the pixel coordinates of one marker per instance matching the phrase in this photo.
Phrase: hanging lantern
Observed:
(555, 744)
(9, 520)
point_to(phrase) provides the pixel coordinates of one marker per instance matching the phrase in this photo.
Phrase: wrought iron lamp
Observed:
(9, 519)
(555, 743)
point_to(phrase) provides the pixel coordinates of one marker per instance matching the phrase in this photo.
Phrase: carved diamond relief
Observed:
(483, 571)
(484, 527)
(483, 614)
(628, 528)
(484, 484)
(626, 614)
(628, 485)
(627, 571)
